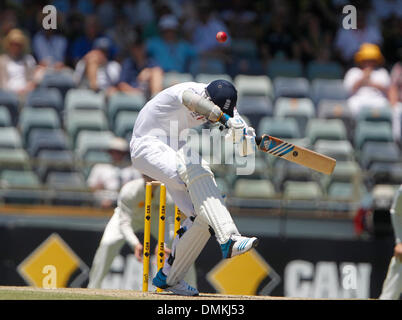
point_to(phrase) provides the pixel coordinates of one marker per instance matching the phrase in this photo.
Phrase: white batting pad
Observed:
(392, 286)
(206, 197)
(186, 249)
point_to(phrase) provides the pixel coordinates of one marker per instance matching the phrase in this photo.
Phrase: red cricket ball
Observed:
(221, 36)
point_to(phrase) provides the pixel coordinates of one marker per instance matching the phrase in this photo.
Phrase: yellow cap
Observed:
(369, 51)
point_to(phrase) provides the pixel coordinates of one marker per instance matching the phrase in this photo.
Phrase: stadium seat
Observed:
(10, 138)
(302, 109)
(285, 170)
(291, 87)
(284, 68)
(330, 89)
(372, 131)
(84, 99)
(339, 150)
(50, 160)
(96, 156)
(46, 139)
(30, 119)
(62, 81)
(375, 114)
(323, 129)
(374, 151)
(19, 179)
(93, 140)
(10, 100)
(385, 173)
(345, 171)
(5, 117)
(209, 77)
(284, 128)
(124, 123)
(207, 65)
(78, 120)
(245, 66)
(247, 85)
(244, 48)
(14, 159)
(298, 190)
(66, 181)
(223, 186)
(253, 189)
(45, 98)
(124, 102)
(171, 78)
(324, 70)
(254, 108)
(342, 191)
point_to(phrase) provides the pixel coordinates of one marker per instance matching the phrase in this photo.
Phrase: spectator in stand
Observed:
(82, 45)
(367, 82)
(17, 67)
(96, 70)
(140, 73)
(348, 41)
(106, 179)
(168, 50)
(204, 33)
(50, 49)
(395, 99)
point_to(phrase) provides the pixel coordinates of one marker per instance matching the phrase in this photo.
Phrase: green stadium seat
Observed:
(78, 120)
(66, 181)
(9, 99)
(328, 89)
(14, 159)
(291, 87)
(10, 138)
(284, 68)
(244, 47)
(340, 150)
(302, 109)
(61, 80)
(372, 131)
(30, 118)
(206, 65)
(19, 179)
(54, 160)
(124, 123)
(171, 78)
(284, 128)
(288, 171)
(346, 171)
(342, 191)
(323, 129)
(375, 114)
(45, 98)
(124, 102)
(248, 85)
(84, 99)
(324, 70)
(253, 189)
(373, 151)
(93, 140)
(302, 190)
(209, 77)
(222, 186)
(5, 117)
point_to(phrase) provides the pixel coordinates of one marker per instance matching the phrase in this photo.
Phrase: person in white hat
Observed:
(106, 179)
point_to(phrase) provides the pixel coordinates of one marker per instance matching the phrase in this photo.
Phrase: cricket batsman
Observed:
(392, 287)
(127, 219)
(157, 152)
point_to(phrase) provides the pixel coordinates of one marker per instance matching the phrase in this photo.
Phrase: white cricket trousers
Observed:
(157, 160)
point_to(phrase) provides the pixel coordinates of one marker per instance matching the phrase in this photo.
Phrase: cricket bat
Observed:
(296, 154)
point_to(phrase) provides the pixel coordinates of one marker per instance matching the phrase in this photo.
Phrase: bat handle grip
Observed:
(258, 140)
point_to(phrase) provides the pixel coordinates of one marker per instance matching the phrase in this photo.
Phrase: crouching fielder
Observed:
(392, 287)
(128, 218)
(157, 152)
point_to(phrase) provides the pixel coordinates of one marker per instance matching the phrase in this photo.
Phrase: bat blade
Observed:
(296, 154)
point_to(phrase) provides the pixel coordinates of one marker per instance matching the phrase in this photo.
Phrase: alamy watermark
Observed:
(350, 20)
(49, 21)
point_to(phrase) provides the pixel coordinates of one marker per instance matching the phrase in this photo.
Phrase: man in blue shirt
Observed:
(171, 53)
(140, 73)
